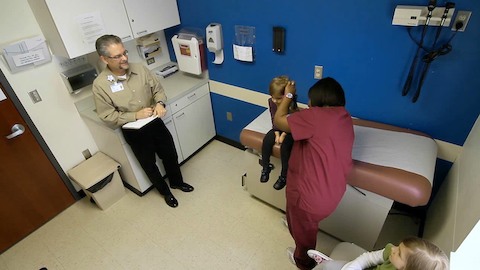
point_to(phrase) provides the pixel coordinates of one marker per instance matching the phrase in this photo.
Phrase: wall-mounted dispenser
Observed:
(77, 78)
(215, 41)
(149, 46)
(190, 52)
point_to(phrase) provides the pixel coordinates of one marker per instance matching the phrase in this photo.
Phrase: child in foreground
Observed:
(412, 253)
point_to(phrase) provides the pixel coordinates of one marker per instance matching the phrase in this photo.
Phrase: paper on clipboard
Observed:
(139, 123)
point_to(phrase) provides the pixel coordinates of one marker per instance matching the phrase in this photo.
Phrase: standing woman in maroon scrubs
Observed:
(319, 162)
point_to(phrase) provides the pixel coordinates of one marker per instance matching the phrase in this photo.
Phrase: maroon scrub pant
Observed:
(303, 227)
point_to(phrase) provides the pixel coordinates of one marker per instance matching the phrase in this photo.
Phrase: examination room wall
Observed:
(56, 116)
(357, 44)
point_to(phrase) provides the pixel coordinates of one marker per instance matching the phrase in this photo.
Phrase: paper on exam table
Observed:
(139, 123)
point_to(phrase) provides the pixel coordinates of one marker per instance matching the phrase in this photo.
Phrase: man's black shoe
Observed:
(171, 201)
(184, 187)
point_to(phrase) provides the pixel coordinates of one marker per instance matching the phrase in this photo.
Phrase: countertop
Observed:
(176, 86)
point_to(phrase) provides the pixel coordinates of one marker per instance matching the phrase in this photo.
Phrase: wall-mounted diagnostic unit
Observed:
(417, 15)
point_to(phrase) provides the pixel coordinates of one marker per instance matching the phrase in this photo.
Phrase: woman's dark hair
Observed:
(326, 92)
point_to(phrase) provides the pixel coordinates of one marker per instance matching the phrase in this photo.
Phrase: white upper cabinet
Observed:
(71, 26)
(148, 16)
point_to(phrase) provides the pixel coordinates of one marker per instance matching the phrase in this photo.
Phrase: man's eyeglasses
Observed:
(117, 57)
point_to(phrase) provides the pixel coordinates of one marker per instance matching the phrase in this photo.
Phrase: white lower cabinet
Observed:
(193, 118)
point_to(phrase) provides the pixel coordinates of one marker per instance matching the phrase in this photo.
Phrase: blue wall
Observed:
(356, 43)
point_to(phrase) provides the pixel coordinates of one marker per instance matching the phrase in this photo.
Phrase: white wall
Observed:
(455, 210)
(55, 116)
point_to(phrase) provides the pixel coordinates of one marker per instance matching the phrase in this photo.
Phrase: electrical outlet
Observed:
(462, 17)
(229, 116)
(318, 72)
(150, 61)
(86, 154)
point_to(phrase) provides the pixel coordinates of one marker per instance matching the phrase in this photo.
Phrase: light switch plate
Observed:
(35, 96)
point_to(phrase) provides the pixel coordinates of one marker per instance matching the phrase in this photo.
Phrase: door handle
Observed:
(17, 130)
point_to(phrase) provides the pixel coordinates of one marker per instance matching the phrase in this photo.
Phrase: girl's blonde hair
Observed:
(277, 85)
(424, 255)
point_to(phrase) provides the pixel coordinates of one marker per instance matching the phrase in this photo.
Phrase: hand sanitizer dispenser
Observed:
(215, 41)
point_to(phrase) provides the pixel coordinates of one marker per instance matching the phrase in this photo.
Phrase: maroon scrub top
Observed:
(321, 158)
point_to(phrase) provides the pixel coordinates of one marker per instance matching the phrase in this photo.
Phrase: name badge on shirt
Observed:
(116, 87)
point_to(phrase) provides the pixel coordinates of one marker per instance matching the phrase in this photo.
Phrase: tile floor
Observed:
(218, 226)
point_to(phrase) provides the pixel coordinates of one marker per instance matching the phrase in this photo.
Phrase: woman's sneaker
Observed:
(317, 256)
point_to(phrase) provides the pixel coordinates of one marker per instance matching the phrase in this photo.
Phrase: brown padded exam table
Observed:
(390, 164)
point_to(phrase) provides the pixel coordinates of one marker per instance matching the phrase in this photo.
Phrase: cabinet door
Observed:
(171, 127)
(195, 125)
(148, 16)
(76, 22)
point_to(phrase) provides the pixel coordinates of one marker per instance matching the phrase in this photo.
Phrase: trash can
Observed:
(98, 176)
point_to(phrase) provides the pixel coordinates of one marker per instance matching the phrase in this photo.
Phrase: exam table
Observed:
(389, 164)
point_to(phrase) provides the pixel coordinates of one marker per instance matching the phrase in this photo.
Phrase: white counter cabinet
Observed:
(193, 118)
(71, 27)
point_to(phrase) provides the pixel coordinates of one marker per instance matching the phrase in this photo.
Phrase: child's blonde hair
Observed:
(277, 88)
(424, 255)
(277, 85)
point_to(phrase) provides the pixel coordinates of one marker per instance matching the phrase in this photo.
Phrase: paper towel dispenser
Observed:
(77, 78)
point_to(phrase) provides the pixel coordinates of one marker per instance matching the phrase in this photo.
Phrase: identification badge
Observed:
(116, 87)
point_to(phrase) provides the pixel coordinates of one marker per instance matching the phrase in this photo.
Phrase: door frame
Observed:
(18, 105)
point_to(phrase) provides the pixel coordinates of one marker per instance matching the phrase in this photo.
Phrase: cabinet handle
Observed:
(168, 122)
(180, 115)
(127, 37)
(243, 179)
(192, 96)
(142, 32)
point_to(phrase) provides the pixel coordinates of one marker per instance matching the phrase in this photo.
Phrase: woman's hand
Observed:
(290, 87)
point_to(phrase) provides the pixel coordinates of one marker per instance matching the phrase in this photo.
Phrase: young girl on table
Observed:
(411, 254)
(276, 136)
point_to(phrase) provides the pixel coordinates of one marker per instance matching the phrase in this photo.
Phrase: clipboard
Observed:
(139, 123)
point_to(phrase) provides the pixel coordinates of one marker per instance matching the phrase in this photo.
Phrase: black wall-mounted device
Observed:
(278, 39)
